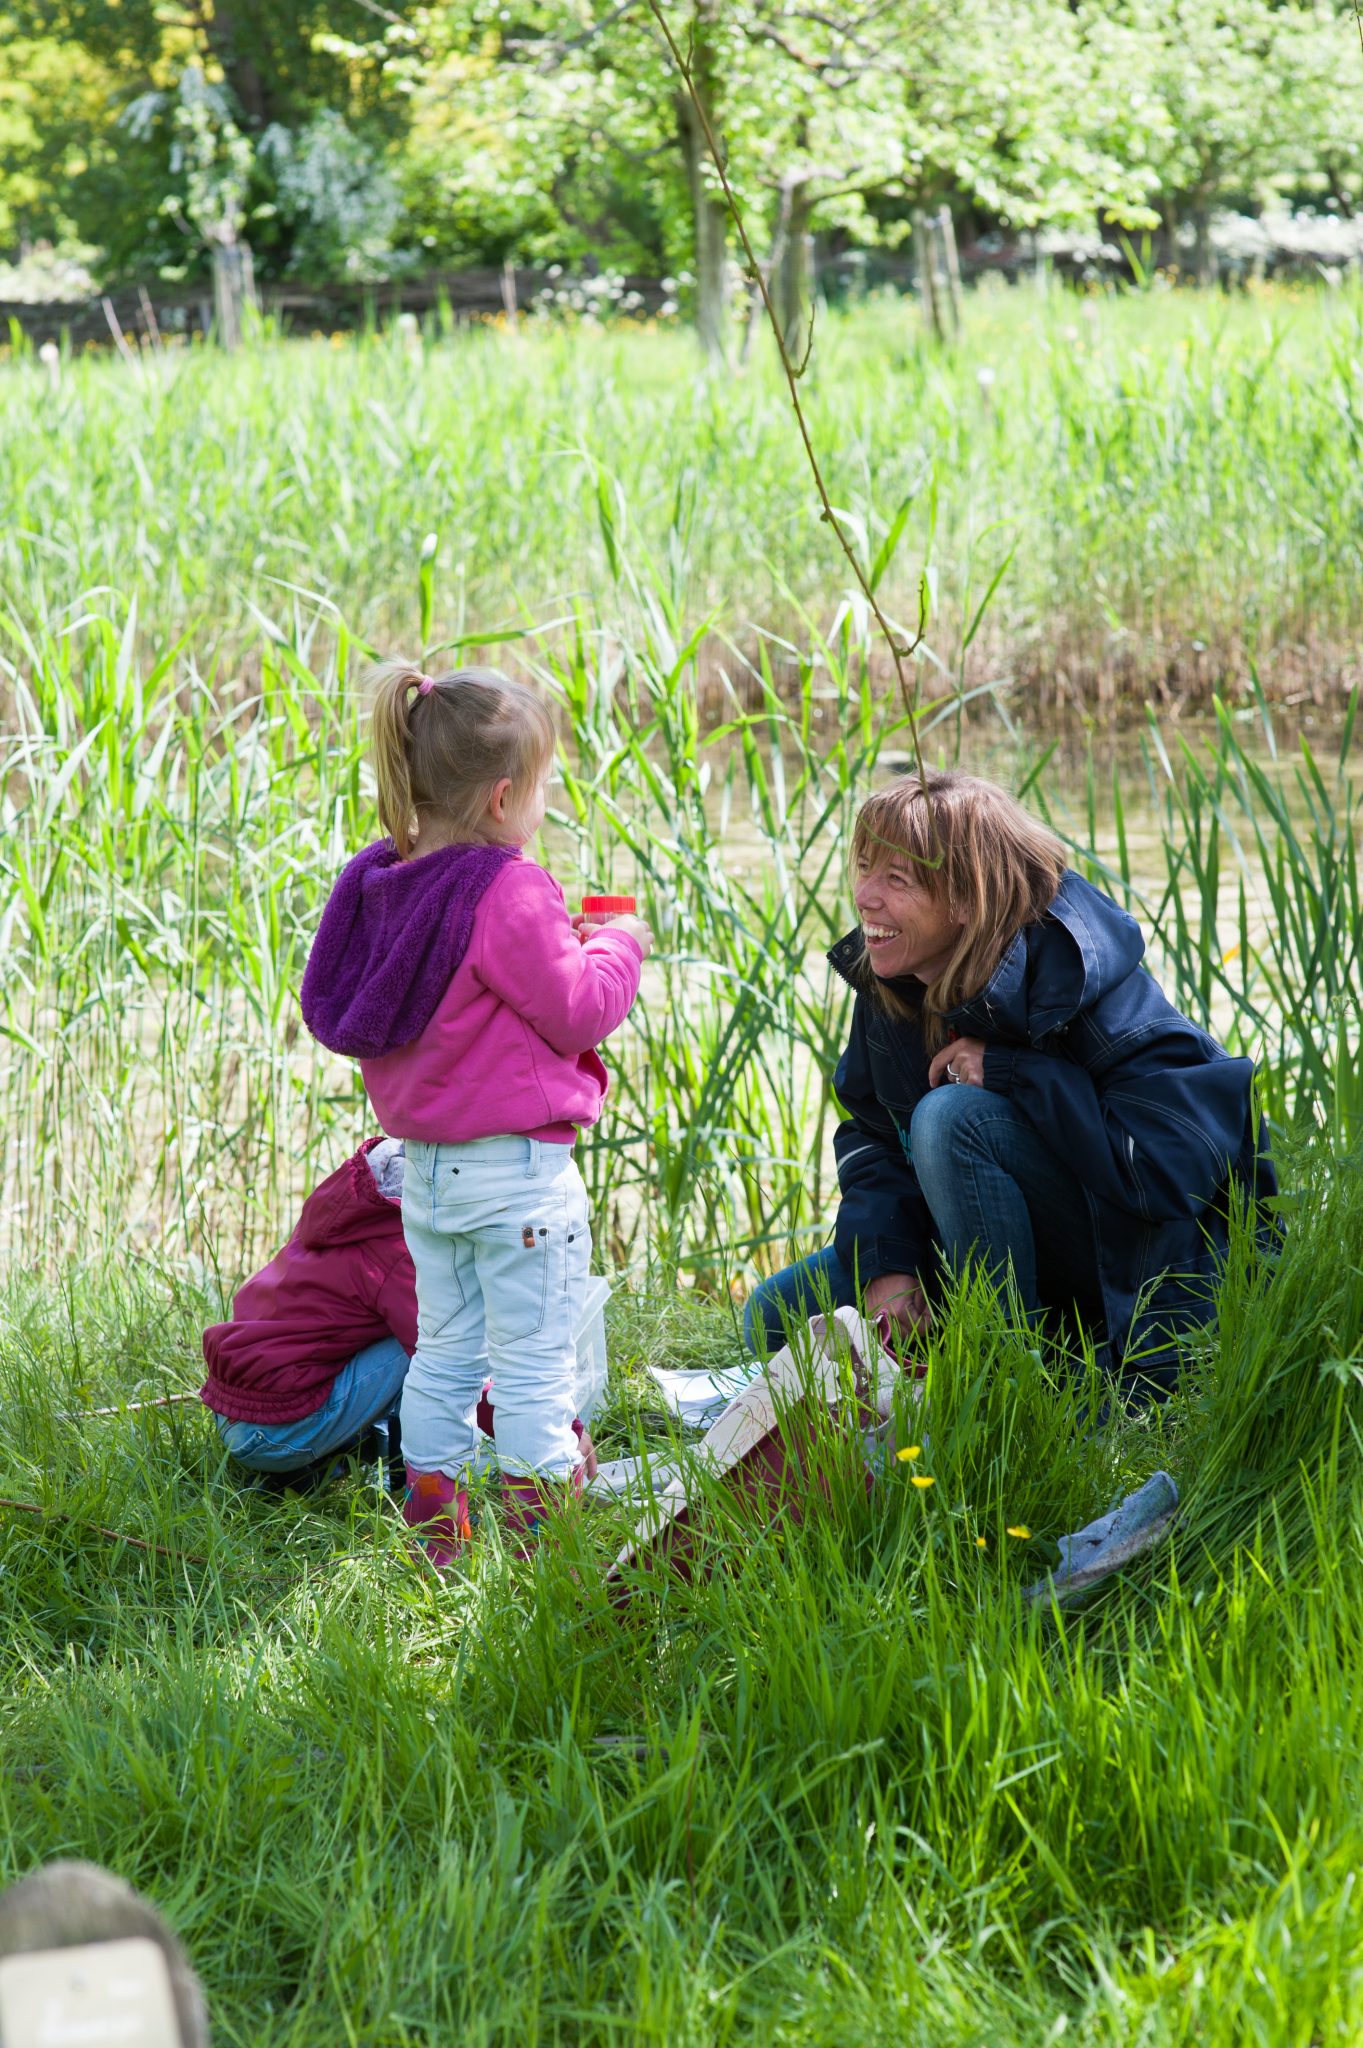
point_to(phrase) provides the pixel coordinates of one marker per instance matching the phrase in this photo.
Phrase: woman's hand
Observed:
(962, 1060)
(900, 1297)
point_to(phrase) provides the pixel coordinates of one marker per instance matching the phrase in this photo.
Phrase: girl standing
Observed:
(447, 964)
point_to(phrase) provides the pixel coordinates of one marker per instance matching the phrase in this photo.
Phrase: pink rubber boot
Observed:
(440, 1507)
(487, 1422)
(529, 1503)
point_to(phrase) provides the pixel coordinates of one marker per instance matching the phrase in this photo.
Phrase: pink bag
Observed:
(759, 1445)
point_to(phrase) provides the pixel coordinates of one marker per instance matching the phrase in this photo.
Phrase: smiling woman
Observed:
(1020, 1095)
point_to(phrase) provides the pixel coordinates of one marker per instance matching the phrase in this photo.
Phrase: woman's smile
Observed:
(905, 928)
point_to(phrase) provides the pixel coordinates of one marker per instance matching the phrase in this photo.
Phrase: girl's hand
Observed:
(899, 1296)
(965, 1059)
(637, 929)
(587, 927)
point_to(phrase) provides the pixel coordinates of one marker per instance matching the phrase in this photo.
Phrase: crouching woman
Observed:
(1020, 1096)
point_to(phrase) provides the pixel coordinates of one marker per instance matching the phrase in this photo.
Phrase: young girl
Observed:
(448, 965)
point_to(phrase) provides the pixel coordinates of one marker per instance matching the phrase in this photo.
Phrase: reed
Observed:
(168, 842)
(1171, 478)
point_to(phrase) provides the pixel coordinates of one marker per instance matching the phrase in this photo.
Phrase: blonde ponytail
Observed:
(441, 744)
(395, 687)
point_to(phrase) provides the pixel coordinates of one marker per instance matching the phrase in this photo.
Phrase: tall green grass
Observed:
(1174, 481)
(846, 1787)
(168, 842)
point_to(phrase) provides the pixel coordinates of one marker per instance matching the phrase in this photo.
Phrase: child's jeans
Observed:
(367, 1390)
(498, 1233)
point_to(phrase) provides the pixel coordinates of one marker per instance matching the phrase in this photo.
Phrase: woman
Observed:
(1020, 1094)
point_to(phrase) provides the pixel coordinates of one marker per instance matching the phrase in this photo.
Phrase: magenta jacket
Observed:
(510, 1047)
(343, 1281)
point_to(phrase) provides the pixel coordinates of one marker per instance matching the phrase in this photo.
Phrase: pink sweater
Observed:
(510, 1050)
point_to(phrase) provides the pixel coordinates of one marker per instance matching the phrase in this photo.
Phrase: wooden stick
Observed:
(120, 338)
(30, 1507)
(149, 315)
(124, 1408)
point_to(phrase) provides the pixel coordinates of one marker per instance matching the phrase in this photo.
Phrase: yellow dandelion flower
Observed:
(922, 1479)
(1021, 1530)
(981, 1543)
(909, 1451)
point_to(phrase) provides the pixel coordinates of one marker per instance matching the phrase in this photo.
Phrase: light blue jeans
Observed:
(366, 1390)
(498, 1233)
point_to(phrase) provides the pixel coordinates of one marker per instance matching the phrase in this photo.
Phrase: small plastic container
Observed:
(590, 1378)
(608, 906)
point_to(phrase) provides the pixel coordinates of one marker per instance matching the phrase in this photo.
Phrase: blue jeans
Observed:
(364, 1391)
(998, 1194)
(498, 1233)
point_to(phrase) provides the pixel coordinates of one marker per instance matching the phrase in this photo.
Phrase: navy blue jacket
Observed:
(1149, 1112)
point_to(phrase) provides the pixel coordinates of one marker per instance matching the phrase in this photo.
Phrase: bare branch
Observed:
(554, 53)
(900, 652)
(383, 13)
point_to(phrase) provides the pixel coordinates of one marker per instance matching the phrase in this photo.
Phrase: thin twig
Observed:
(115, 328)
(123, 1408)
(900, 652)
(30, 1507)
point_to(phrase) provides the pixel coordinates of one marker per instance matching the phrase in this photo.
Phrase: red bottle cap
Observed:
(607, 906)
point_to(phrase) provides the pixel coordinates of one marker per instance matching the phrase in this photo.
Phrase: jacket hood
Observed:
(347, 1207)
(392, 935)
(1050, 971)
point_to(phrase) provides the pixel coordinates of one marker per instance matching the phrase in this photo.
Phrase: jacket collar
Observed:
(1026, 996)
(844, 956)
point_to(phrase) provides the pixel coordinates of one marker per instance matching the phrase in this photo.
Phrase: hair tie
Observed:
(424, 685)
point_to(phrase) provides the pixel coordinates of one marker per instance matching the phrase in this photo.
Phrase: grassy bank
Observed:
(1172, 480)
(848, 1790)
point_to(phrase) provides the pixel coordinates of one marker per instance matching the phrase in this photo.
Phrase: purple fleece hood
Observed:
(391, 937)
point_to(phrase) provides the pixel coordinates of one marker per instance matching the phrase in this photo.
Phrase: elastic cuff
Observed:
(1000, 1069)
(887, 1256)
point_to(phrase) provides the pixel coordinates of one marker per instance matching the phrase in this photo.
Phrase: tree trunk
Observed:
(1204, 254)
(240, 72)
(952, 265)
(710, 220)
(709, 212)
(925, 274)
(793, 279)
(234, 289)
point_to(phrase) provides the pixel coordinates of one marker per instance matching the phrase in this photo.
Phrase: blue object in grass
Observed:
(1095, 1552)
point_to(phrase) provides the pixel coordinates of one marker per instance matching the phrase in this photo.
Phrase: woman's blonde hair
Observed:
(973, 847)
(441, 745)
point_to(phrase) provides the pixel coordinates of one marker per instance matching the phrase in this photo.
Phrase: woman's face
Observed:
(906, 928)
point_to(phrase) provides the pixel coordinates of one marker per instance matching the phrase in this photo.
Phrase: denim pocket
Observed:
(241, 1440)
(440, 1291)
(524, 1273)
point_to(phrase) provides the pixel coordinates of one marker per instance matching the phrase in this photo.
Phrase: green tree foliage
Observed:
(1235, 105)
(461, 131)
(116, 164)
